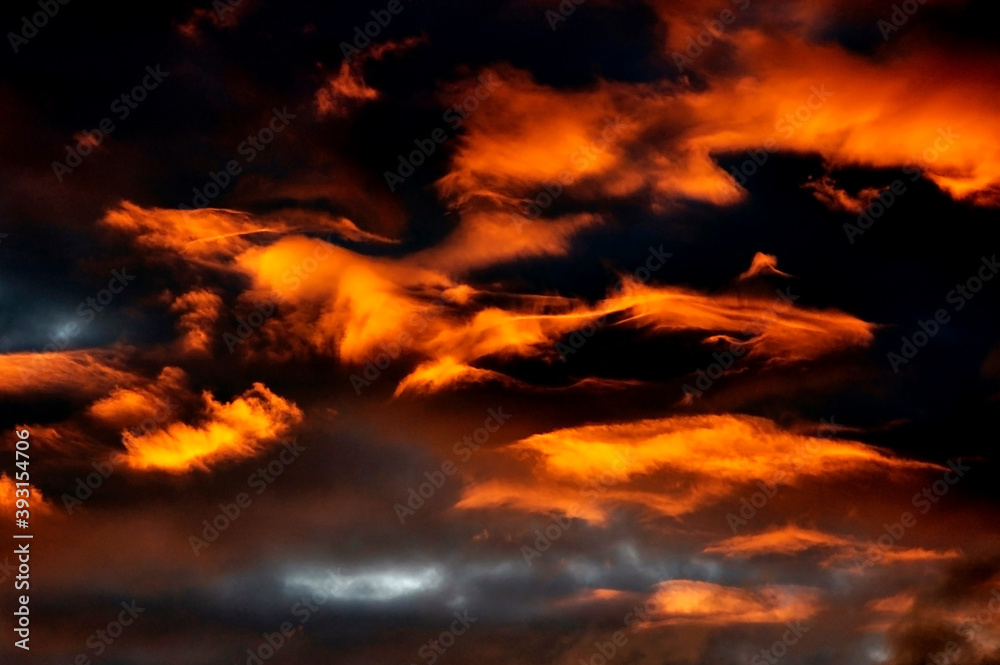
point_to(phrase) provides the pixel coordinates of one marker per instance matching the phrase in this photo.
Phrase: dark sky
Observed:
(510, 332)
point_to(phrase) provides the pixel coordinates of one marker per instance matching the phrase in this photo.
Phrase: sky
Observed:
(650, 332)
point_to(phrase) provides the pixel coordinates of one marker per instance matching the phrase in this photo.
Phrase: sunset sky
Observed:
(649, 332)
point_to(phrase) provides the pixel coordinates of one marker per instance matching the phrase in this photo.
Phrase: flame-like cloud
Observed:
(773, 328)
(216, 234)
(37, 503)
(701, 459)
(794, 95)
(346, 91)
(691, 602)
(124, 407)
(487, 236)
(763, 264)
(339, 302)
(76, 372)
(198, 310)
(789, 539)
(240, 428)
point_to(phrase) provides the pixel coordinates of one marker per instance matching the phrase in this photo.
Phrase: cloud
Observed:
(215, 235)
(199, 310)
(358, 307)
(691, 602)
(787, 93)
(9, 495)
(446, 373)
(586, 471)
(81, 373)
(346, 91)
(791, 540)
(204, 234)
(773, 328)
(343, 92)
(763, 264)
(224, 14)
(127, 407)
(237, 429)
(487, 236)
(786, 540)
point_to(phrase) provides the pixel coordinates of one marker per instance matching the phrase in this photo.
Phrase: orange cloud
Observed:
(198, 310)
(338, 302)
(447, 373)
(213, 235)
(344, 92)
(528, 135)
(530, 498)
(857, 559)
(342, 303)
(701, 459)
(690, 602)
(78, 372)
(785, 93)
(763, 264)
(488, 235)
(771, 327)
(127, 407)
(789, 539)
(37, 504)
(240, 428)
(207, 233)
(897, 604)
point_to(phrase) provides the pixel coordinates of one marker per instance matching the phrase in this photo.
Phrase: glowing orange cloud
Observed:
(897, 604)
(240, 428)
(339, 302)
(9, 496)
(789, 539)
(771, 327)
(488, 236)
(787, 94)
(527, 134)
(213, 235)
(76, 372)
(205, 233)
(763, 264)
(690, 602)
(446, 373)
(529, 497)
(344, 92)
(127, 407)
(342, 303)
(701, 459)
(198, 310)
(896, 555)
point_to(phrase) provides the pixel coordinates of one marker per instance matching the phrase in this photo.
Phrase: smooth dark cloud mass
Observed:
(515, 332)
